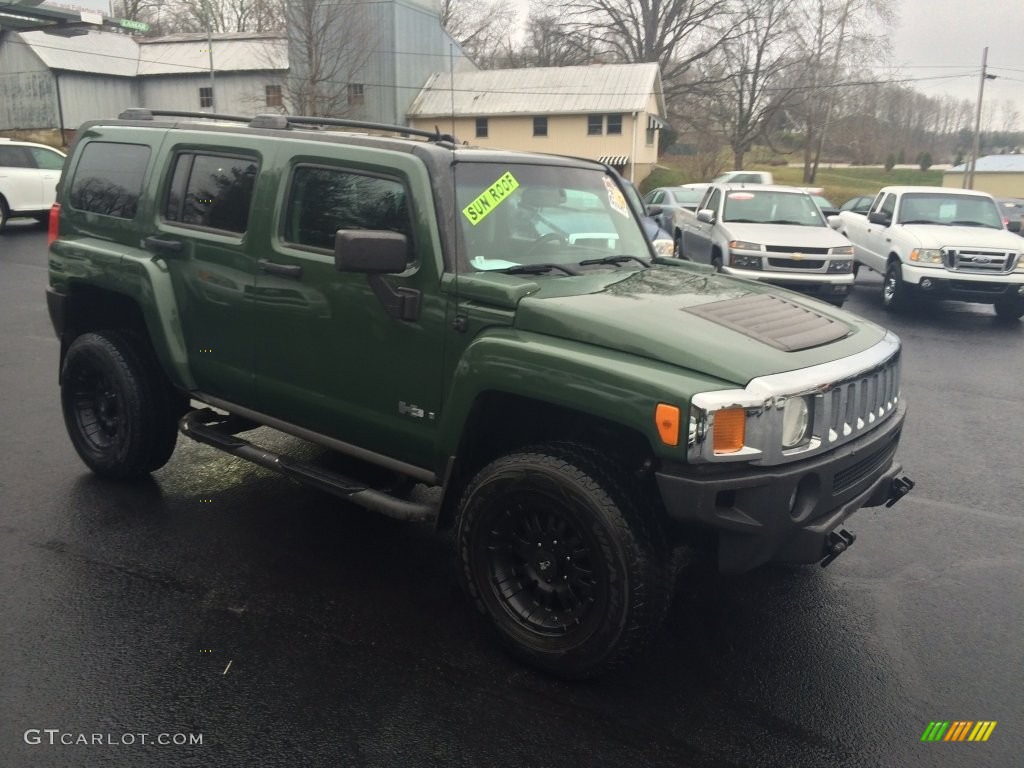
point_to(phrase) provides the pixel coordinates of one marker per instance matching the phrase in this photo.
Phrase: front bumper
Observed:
(960, 286)
(815, 283)
(785, 513)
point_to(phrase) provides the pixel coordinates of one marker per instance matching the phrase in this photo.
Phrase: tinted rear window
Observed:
(213, 191)
(109, 177)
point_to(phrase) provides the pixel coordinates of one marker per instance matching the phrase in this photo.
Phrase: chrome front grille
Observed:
(980, 261)
(855, 406)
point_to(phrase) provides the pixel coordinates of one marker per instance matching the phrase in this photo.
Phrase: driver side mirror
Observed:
(879, 218)
(706, 215)
(1013, 225)
(373, 252)
(655, 210)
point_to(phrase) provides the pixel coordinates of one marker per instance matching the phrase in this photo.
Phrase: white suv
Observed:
(28, 179)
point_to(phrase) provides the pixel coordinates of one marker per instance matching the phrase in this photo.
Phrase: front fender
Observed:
(614, 386)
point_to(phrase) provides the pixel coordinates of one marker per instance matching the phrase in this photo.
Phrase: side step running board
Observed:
(218, 430)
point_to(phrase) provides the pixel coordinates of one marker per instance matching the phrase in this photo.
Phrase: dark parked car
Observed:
(1012, 209)
(826, 208)
(859, 204)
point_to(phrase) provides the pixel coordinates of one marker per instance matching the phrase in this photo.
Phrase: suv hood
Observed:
(650, 314)
(942, 235)
(785, 235)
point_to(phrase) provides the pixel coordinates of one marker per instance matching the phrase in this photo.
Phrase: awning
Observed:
(614, 160)
(655, 123)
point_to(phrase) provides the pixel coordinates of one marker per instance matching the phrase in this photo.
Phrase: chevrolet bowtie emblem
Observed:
(798, 256)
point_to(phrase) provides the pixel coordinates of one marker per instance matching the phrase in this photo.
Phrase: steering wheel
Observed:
(550, 237)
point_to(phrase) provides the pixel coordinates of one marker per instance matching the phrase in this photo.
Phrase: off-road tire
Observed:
(556, 532)
(119, 409)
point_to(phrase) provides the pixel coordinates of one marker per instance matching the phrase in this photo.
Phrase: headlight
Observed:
(1020, 262)
(796, 422)
(743, 245)
(664, 247)
(840, 265)
(841, 250)
(927, 257)
(744, 261)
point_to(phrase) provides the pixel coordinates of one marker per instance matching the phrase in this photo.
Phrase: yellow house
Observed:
(999, 175)
(606, 112)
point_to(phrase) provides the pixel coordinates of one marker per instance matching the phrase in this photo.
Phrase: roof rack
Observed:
(284, 122)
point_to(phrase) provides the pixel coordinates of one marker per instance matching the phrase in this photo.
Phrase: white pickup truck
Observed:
(938, 242)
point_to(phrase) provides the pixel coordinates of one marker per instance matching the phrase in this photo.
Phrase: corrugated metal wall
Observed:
(235, 93)
(92, 97)
(28, 96)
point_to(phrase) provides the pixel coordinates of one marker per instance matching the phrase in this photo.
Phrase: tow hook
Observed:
(900, 487)
(836, 543)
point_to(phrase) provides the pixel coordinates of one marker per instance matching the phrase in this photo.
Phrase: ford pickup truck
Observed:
(940, 243)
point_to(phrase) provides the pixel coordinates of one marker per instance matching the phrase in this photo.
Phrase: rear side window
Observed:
(323, 200)
(212, 191)
(108, 179)
(15, 157)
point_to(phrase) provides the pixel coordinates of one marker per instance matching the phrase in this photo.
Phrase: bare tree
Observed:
(329, 44)
(754, 69)
(484, 30)
(550, 43)
(676, 34)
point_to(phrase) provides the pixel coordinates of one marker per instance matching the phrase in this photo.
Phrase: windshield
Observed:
(951, 209)
(771, 207)
(521, 215)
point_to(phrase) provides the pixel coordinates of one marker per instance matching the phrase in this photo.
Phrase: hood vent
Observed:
(777, 322)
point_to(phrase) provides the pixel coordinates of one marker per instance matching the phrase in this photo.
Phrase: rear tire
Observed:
(119, 409)
(1010, 309)
(5, 215)
(557, 555)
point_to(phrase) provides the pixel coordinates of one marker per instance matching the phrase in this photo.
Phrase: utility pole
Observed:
(969, 176)
(209, 52)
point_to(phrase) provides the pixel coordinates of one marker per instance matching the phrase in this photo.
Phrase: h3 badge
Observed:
(413, 410)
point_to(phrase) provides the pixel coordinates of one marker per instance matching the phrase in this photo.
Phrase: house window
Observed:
(481, 127)
(594, 125)
(356, 94)
(274, 96)
(205, 97)
(614, 125)
(540, 126)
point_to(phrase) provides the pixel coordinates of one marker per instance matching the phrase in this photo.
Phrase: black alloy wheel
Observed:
(555, 552)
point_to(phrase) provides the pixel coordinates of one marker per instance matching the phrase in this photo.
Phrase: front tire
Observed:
(120, 411)
(1010, 309)
(560, 559)
(5, 215)
(896, 296)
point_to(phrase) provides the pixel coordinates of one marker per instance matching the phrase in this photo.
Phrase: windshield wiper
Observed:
(971, 224)
(613, 260)
(924, 221)
(788, 221)
(537, 269)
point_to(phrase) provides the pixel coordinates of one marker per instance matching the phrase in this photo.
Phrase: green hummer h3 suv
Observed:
(493, 325)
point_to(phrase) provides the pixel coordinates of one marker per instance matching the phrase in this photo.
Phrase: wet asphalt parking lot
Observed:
(285, 629)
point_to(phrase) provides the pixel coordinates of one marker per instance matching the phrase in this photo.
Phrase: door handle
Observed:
(285, 270)
(164, 247)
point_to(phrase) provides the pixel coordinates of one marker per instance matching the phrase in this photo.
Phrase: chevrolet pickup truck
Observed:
(938, 242)
(772, 234)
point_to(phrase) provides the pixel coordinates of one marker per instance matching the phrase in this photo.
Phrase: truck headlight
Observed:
(664, 247)
(841, 250)
(1020, 262)
(927, 257)
(841, 265)
(743, 245)
(796, 422)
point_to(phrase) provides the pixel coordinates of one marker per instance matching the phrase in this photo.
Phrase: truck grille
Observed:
(796, 263)
(857, 405)
(982, 262)
(791, 249)
(849, 477)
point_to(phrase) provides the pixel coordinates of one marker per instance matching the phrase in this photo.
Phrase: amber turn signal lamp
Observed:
(667, 418)
(730, 430)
